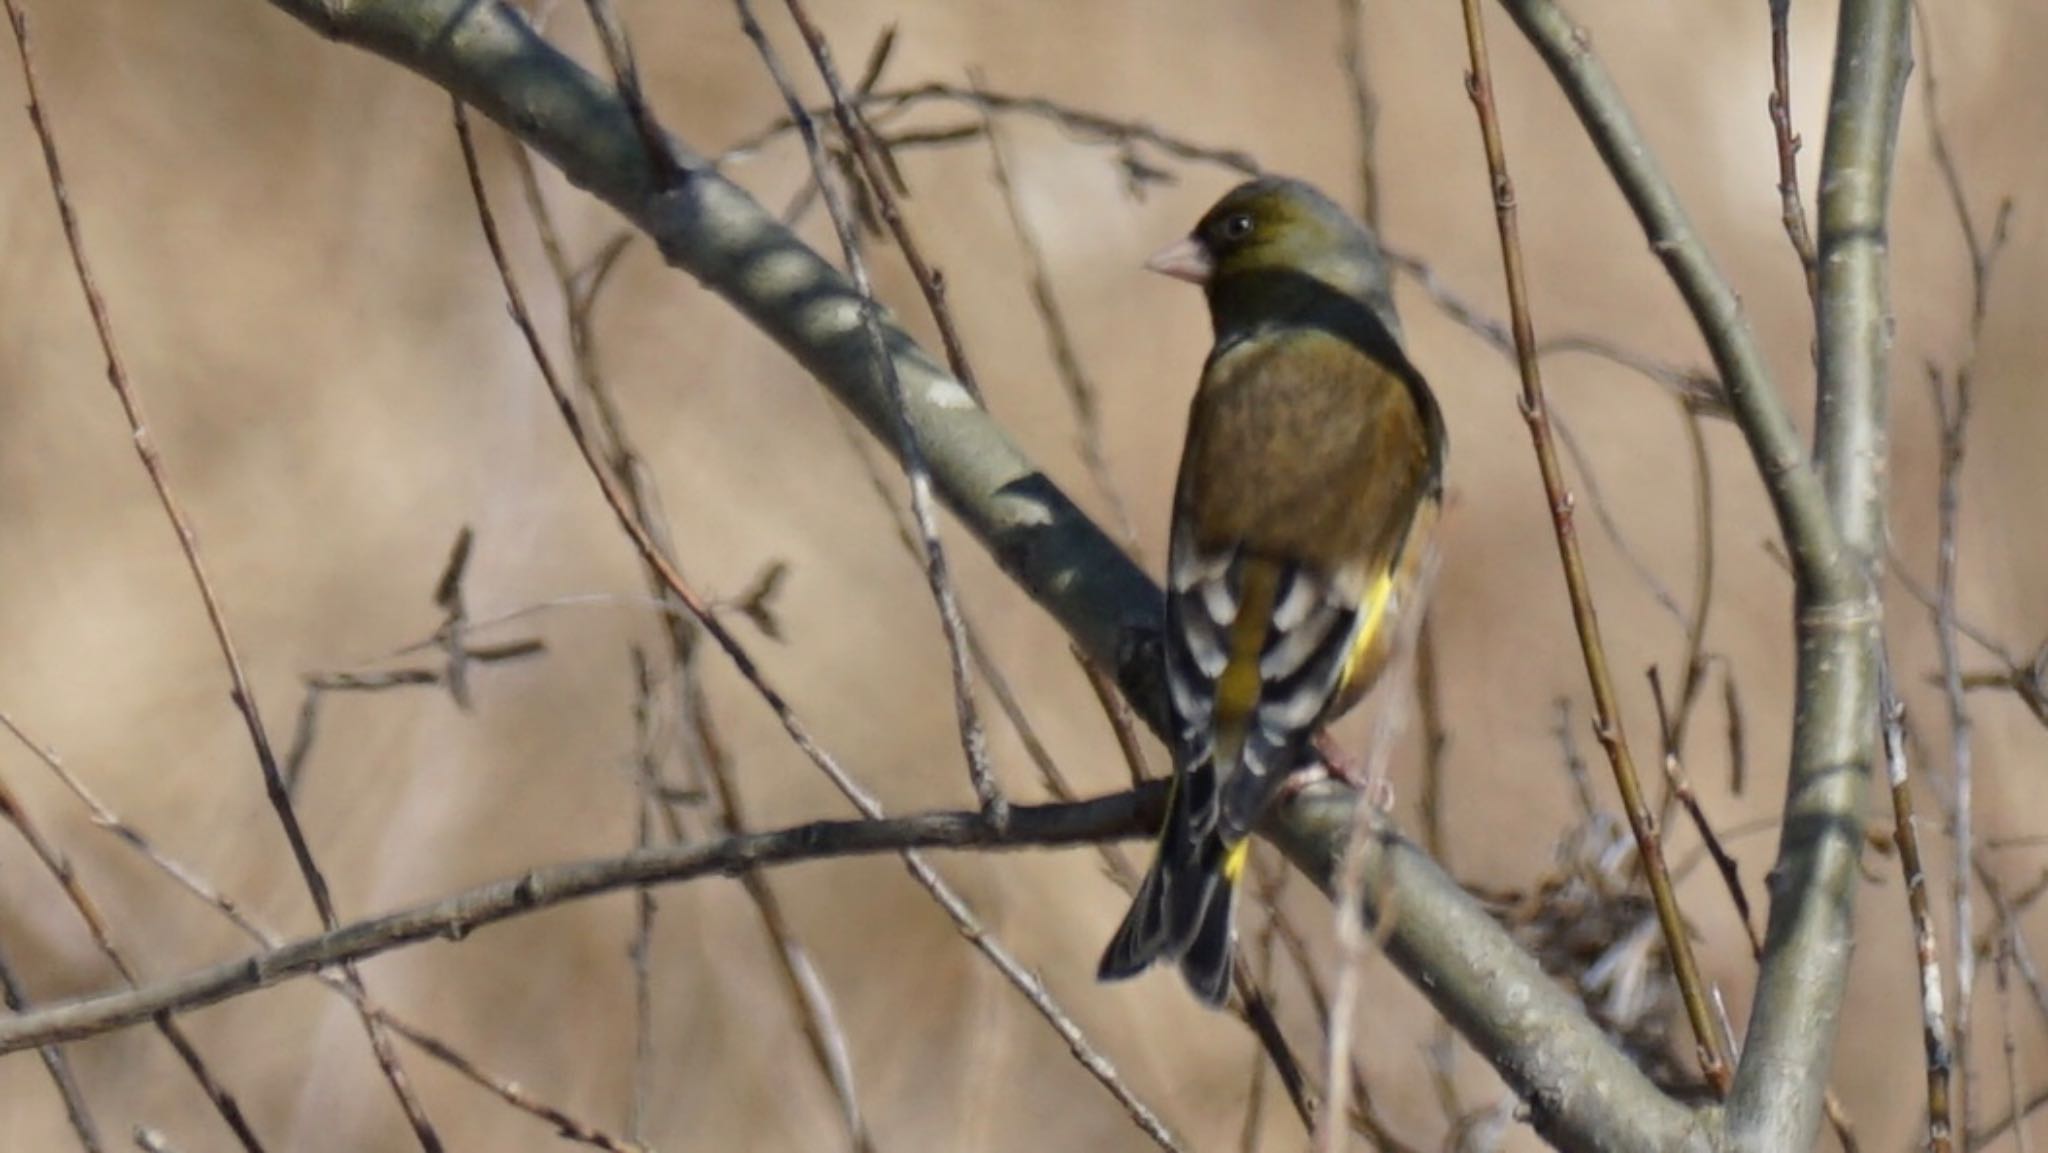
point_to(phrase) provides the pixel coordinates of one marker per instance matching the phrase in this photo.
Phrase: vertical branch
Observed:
(640, 953)
(188, 543)
(1954, 417)
(1941, 1127)
(1953, 409)
(1777, 1099)
(1605, 703)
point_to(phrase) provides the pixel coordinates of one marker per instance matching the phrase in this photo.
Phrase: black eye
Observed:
(1237, 227)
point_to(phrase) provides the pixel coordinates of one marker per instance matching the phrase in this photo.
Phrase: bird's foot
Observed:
(1375, 787)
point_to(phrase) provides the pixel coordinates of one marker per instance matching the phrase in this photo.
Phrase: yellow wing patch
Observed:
(1372, 611)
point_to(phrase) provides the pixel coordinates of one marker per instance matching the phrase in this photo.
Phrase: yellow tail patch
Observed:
(1234, 859)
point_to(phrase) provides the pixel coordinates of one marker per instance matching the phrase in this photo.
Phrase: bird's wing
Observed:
(1306, 465)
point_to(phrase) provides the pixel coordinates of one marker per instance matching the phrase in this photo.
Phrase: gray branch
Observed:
(1776, 1102)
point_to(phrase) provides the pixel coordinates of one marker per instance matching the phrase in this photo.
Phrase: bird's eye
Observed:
(1237, 227)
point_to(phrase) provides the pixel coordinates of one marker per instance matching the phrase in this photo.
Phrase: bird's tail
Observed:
(1183, 909)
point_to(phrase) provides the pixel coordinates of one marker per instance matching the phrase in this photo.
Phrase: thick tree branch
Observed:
(1777, 1098)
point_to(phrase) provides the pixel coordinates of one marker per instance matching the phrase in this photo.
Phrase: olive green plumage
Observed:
(1301, 544)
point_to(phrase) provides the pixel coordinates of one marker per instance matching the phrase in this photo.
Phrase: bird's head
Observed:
(1269, 238)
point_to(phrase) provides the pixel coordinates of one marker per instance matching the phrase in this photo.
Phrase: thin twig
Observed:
(1124, 134)
(1953, 409)
(188, 544)
(191, 882)
(640, 953)
(703, 752)
(1934, 1036)
(1351, 933)
(1680, 784)
(618, 50)
(1436, 741)
(1608, 725)
(1793, 209)
(60, 869)
(15, 996)
(1120, 815)
(974, 742)
(2008, 1044)
(1365, 108)
(1081, 391)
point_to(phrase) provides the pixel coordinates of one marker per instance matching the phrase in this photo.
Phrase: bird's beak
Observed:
(1184, 259)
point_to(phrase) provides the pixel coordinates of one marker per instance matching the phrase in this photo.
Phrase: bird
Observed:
(1301, 545)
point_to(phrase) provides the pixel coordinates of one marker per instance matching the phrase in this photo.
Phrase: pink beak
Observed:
(1185, 259)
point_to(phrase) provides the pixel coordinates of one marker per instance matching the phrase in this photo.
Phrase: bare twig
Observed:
(974, 741)
(60, 869)
(1352, 937)
(15, 996)
(1123, 134)
(1780, 105)
(1953, 409)
(2007, 1042)
(452, 918)
(1680, 784)
(1081, 391)
(1365, 108)
(703, 752)
(299, 754)
(191, 882)
(1436, 741)
(1608, 725)
(640, 953)
(188, 544)
(618, 50)
(1927, 952)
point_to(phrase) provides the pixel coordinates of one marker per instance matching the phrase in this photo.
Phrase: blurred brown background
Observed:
(283, 233)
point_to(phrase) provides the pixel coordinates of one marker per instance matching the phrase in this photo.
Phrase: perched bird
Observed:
(1309, 489)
